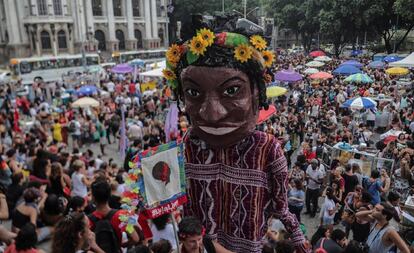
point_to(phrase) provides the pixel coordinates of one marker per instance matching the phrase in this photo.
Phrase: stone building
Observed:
(52, 27)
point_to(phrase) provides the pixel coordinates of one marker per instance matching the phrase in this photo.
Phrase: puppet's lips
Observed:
(218, 130)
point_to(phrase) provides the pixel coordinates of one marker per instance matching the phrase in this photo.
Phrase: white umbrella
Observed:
(310, 71)
(85, 102)
(153, 73)
(323, 58)
(315, 64)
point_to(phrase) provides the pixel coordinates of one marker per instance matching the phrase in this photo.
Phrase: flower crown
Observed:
(244, 50)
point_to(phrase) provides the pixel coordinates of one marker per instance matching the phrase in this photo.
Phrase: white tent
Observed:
(407, 62)
(152, 73)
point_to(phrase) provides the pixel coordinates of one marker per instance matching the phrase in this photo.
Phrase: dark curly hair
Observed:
(66, 235)
(218, 56)
(26, 238)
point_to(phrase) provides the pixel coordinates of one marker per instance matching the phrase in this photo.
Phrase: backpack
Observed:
(72, 127)
(321, 249)
(106, 237)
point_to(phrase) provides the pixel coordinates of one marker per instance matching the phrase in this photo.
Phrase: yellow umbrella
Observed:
(275, 91)
(397, 71)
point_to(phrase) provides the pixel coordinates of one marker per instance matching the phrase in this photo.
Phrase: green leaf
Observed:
(169, 65)
(191, 58)
(234, 39)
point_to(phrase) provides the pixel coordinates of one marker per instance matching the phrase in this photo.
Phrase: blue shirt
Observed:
(373, 189)
(300, 194)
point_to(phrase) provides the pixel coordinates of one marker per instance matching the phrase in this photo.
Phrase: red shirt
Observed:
(115, 222)
(143, 222)
(131, 88)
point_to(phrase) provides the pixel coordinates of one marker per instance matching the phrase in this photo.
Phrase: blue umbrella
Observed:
(346, 70)
(87, 90)
(353, 63)
(356, 52)
(391, 58)
(376, 65)
(137, 62)
(360, 103)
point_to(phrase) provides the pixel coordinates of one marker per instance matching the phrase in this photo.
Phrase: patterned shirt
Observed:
(235, 190)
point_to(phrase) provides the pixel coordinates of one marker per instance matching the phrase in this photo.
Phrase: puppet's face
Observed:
(220, 104)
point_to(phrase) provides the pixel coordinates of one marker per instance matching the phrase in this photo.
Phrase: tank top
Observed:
(374, 241)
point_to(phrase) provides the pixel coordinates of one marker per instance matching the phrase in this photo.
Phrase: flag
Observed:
(171, 122)
(123, 142)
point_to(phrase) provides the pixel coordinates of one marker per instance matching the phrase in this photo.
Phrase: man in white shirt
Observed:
(110, 86)
(315, 176)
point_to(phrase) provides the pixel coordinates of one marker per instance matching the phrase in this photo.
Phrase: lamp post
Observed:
(246, 14)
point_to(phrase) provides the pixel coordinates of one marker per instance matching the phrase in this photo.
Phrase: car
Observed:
(5, 76)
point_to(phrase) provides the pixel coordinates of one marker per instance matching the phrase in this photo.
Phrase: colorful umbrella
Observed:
(397, 71)
(310, 71)
(265, 114)
(389, 139)
(360, 103)
(359, 78)
(321, 75)
(85, 102)
(275, 91)
(122, 69)
(87, 90)
(316, 64)
(323, 58)
(353, 63)
(288, 76)
(376, 65)
(391, 58)
(346, 70)
(317, 53)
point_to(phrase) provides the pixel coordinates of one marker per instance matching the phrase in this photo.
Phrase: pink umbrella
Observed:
(321, 75)
(317, 53)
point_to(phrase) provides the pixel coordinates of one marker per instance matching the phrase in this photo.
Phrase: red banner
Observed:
(165, 208)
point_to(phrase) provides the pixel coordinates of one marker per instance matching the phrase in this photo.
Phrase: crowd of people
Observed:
(58, 181)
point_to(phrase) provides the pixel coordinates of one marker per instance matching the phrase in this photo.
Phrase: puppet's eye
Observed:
(192, 92)
(231, 91)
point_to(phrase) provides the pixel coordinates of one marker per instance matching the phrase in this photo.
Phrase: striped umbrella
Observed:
(360, 103)
(359, 78)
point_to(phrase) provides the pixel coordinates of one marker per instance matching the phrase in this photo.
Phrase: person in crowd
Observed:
(314, 178)
(25, 241)
(162, 246)
(72, 235)
(335, 244)
(296, 197)
(329, 209)
(80, 181)
(382, 236)
(374, 186)
(321, 232)
(350, 179)
(162, 228)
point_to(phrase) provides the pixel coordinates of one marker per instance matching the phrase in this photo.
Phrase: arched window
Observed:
(138, 36)
(57, 7)
(42, 7)
(97, 7)
(117, 4)
(119, 34)
(161, 36)
(45, 40)
(62, 40)
(135, 8)
(100, 37)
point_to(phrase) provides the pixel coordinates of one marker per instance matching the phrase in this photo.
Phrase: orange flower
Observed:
(207, 35)
(243, 53)
(268, 57)
(258, 42)
(198, 45)
(169, 74)
(173, 54)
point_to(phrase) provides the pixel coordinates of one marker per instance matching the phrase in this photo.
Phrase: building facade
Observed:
(52, 27)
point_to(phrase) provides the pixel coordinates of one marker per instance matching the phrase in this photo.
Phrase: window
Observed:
(135, 8)
(45, 40)
(57, 7)
(119, 34)
(117, 8)
(161, 36)
(42, 7)
(92, 60)
(100, 37)
(159, 10)
(62, 40)
(138, 36)
(97, 7)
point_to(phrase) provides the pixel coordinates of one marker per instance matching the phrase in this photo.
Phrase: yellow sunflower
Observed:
(198, 45)
(173, 54)
(169, 74)
(243, 53)
(207, 35)
(268, 58)
(258, 42)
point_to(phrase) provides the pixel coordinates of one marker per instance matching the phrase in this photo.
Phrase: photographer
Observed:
(382, 236)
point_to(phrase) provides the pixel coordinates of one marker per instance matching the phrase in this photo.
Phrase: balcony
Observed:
(47, 19)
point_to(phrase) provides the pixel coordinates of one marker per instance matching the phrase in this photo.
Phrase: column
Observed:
(50, 9)
(33, 7)
(131, 42)
(53, 37)
(111, 20)
(147, 13)
(12, 22)
(154, 19)
(20, 5)
(37, 38)
(64, 7)
(89, 16)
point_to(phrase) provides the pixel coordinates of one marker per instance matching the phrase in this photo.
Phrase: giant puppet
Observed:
(236, 176)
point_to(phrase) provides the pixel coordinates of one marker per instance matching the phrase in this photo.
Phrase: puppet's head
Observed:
(219, 71)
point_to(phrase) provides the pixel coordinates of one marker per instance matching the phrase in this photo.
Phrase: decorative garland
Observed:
(199, 44)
